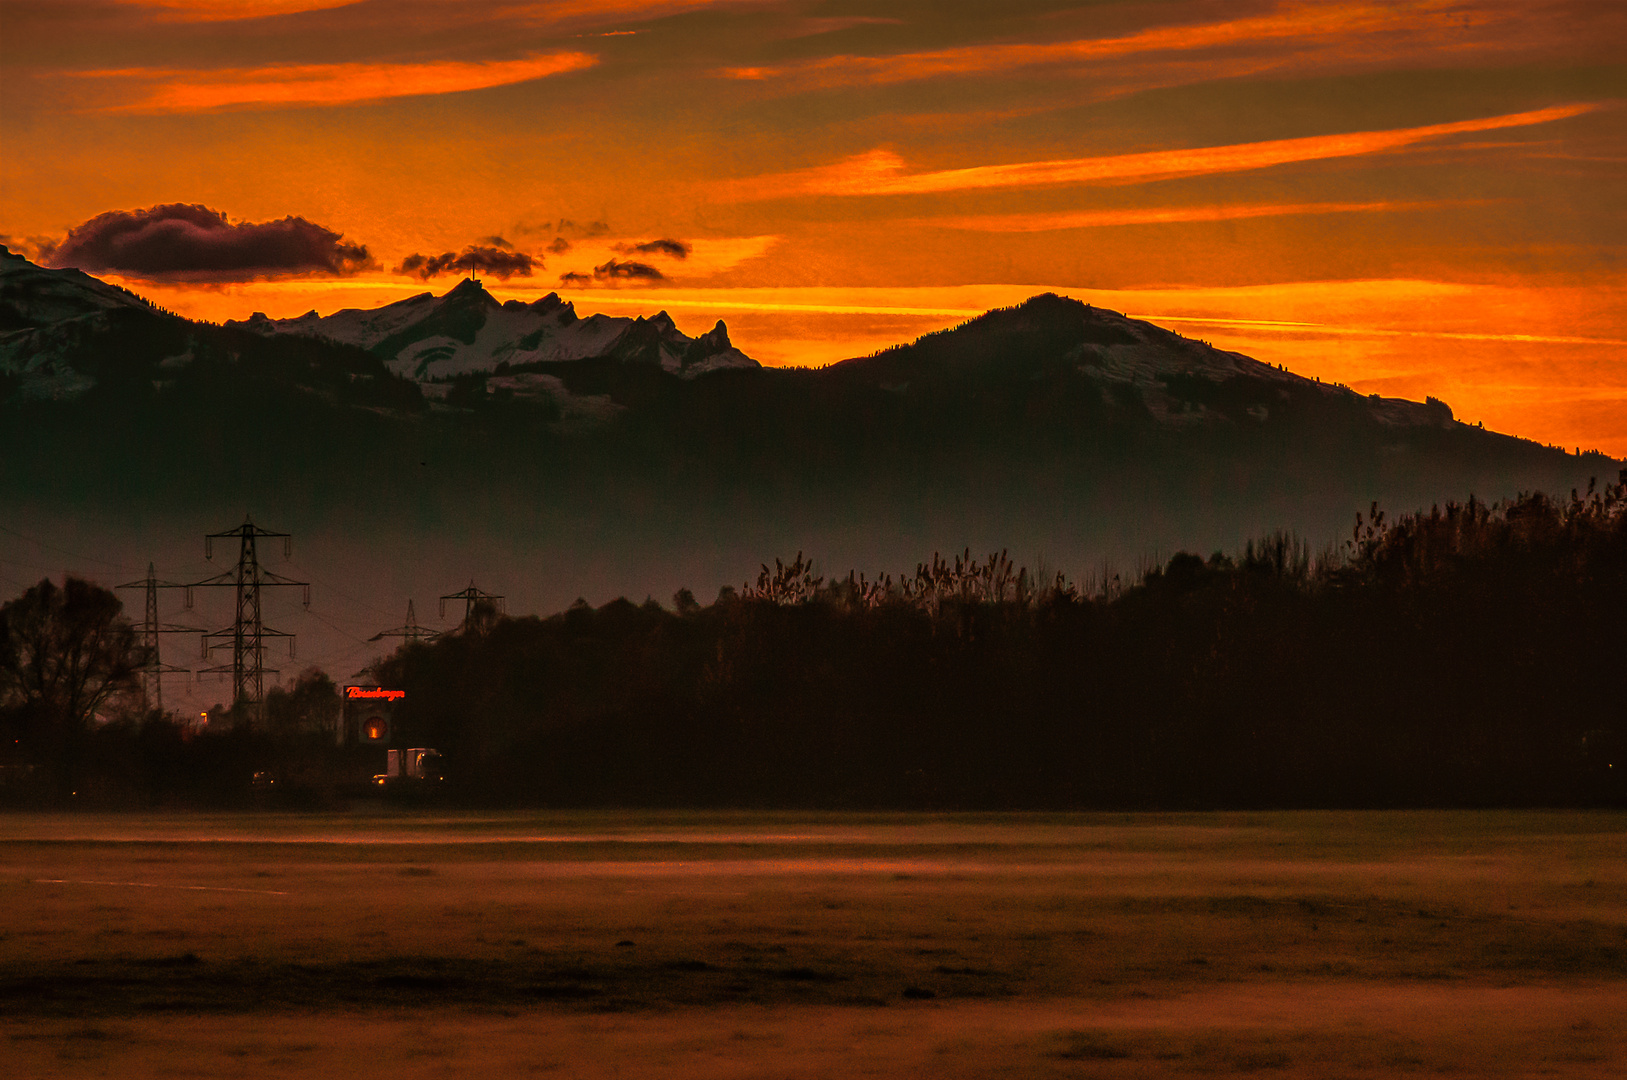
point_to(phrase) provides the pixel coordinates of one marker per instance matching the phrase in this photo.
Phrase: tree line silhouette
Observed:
(1470, 655)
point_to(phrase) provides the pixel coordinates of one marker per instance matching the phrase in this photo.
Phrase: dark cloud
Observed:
(476, 257)
(192, 242)
(561, 227)
(676, 249)
(612, 271)
(560, 245)
(627, 271)
(496, 241)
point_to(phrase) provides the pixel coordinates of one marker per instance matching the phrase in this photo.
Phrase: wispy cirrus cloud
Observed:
(1346, 330)
(882, 172)
(1163, 215)
(231, 10)
(449, 12)
(1303, 23)
(566, 9)
(172, 90)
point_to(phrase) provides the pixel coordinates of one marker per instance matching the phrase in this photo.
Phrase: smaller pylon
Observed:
(411, 631)
(152, 668)
(476, 605)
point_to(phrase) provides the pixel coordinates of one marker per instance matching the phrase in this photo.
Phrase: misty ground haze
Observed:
(795, 945)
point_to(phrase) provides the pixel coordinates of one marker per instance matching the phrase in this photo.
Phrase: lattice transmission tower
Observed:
(247, 634)
(478, 606)
(411, 631)
(153, 668)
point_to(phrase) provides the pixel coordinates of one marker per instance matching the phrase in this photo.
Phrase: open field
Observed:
(795, 945)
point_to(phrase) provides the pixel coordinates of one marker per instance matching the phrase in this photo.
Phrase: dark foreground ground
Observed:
(1291, 944)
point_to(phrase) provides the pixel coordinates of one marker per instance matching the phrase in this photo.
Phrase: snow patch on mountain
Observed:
(34, 296)
(1147, 356)
(42, 311)
(468, 330)
(1180, 382)
(1157, 354)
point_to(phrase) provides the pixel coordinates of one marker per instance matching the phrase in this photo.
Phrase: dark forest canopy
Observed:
(1469, 656)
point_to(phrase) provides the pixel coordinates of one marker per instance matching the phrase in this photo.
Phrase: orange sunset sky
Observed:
(1409, 197)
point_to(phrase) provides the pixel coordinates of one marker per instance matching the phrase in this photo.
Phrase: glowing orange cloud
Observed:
(179, 91)
(880, 172)
(1158, 215)
(1310, 22)
(223, 10)
(594, 11)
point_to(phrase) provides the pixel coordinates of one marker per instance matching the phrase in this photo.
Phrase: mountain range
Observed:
(553, 456)
(427, 338)
(50, 318)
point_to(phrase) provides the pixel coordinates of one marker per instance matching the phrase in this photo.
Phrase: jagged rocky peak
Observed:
(547, 305)
(712, 344)
(715, 339)
(470, 290)
(467, 330)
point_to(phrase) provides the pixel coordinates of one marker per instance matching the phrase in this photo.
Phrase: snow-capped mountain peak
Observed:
(467, 330)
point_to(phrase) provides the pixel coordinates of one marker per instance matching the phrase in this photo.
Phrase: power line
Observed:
(64, 551)
(330, 624)
(328, 586)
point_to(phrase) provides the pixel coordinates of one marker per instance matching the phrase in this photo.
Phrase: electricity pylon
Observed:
(246, 636)
(411, 631)
(474, 602)
(152, 668)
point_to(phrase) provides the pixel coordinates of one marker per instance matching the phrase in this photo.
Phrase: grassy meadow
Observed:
(802, 945)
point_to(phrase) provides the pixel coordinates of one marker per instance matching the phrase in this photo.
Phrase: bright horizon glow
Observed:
(1360, 330)
(967, 301)
(1095, 219)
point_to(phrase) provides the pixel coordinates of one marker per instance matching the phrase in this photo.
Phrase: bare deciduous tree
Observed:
(67, 656)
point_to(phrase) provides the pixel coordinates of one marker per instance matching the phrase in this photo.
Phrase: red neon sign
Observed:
(365, 692)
